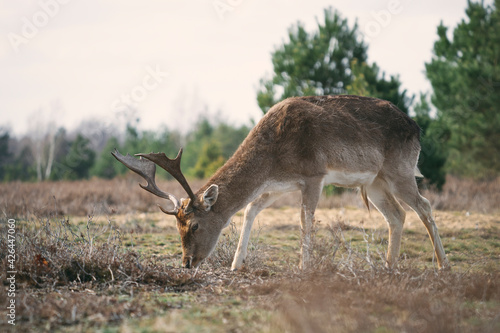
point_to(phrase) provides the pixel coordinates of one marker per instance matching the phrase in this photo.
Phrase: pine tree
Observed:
(433, 137)
(465, 76)
(331, 60)
(79, 159)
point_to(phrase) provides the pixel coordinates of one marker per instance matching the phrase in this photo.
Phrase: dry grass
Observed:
(123, 195)
(82, 278)
(85, 276)
(468, 195)
(350, 290)
(53, 252)
(63, 269)
(82, 198)
(223, 255)
(406, 300)
(72, 274)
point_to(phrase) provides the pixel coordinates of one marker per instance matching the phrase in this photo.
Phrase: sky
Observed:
(65, 61)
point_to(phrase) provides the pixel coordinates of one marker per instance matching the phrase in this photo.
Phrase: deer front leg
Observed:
(310, 197)
(251, 212)
(306, 223)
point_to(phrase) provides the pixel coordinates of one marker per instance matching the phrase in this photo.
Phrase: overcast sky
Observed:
(70, 60)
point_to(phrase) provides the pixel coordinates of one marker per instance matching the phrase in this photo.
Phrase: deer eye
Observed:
(194, 227)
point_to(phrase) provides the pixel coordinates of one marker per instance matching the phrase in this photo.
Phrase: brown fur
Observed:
(305, 136)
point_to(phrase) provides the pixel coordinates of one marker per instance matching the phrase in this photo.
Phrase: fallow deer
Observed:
(301, 144)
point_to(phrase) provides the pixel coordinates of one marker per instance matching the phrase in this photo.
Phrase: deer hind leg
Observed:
(394, 214)
(251, 211)
(310, 197)
(408, 192)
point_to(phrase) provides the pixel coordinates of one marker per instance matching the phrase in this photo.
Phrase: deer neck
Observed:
(240, 181)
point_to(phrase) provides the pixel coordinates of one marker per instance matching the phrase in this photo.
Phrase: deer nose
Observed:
(187, 264)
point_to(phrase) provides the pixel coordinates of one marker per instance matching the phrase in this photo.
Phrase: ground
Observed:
(348, 288)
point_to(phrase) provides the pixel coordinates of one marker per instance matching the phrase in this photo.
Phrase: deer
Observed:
(302, 144)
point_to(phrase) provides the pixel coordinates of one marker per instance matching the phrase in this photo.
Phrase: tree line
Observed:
(63, 156)
(459, 118)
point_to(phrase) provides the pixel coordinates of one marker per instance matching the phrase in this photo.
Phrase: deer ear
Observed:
(210, 196)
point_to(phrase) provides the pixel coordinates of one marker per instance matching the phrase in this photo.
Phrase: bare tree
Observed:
(42, 131)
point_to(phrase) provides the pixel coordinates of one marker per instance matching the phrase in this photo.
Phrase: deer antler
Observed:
(147, 169)
(173, 167)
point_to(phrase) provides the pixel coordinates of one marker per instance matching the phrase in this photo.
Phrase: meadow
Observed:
(97, 256)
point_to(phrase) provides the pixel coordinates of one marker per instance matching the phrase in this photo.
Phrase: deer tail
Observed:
(417, 173)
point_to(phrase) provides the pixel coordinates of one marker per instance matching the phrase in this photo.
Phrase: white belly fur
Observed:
(348, 179)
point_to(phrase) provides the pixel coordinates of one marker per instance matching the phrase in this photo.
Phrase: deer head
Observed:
(195, 217)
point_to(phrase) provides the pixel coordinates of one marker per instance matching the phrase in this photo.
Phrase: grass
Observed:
(348, 289)
(119, 272)
(123, 196)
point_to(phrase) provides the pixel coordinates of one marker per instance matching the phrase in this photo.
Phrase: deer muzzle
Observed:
(186, 263)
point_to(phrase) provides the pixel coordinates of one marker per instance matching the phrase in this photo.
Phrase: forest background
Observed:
(459, 118)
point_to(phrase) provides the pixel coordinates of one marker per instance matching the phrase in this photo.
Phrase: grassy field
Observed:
(116, 268)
